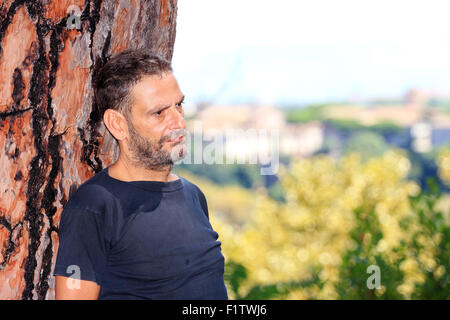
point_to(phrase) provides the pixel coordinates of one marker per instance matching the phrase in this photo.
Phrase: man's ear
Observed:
(116, 123)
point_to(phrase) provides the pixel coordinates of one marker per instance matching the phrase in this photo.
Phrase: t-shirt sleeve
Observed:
(203, 202)
(82, 247)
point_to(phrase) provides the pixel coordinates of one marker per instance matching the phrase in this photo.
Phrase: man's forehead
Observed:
(149, 84)
(159, 85)
(156, 91)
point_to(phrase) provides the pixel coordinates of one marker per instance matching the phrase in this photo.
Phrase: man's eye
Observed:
(158, 113)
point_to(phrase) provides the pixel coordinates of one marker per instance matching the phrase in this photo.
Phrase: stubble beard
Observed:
(151, 155)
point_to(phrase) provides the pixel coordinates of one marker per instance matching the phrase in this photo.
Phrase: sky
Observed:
(288, 52)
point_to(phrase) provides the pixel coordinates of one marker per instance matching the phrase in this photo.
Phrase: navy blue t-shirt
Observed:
(141, 240)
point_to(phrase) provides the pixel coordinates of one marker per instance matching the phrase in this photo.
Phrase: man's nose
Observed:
(177, 118)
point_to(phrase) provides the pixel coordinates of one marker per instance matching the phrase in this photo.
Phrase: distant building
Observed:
(241, 116)
(301, 140)
(415, 99)
(426, 127)
(257, 127)
(224, 117)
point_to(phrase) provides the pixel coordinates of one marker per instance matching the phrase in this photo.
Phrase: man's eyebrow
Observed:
(163, 105)
(181, 100)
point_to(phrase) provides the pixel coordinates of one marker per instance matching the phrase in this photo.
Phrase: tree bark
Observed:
(50, 134)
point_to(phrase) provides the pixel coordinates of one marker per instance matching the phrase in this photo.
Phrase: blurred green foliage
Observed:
(442, 105)
(436, 284)
(314, 233)
(305, 114)
(349, 126)
(366, 235)
(245, 175)
(236, 274)
(368, 144)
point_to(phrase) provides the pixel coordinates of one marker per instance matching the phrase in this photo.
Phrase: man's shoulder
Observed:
(194, 189)
(91, 194)
(190, 185)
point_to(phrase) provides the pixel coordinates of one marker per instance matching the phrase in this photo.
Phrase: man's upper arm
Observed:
(75, 289)
(203, 202)
(82, 251)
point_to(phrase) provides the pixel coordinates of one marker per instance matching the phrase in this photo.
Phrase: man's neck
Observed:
(126, 171)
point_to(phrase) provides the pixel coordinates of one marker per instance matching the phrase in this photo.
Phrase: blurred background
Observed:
(359, 93)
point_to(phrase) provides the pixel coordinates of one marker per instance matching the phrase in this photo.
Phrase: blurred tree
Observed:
(339, 217)
(305, 114)
(353, 271)
(443, 163)
(368, 144)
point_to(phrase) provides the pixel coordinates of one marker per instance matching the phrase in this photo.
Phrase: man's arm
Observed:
(74, 289)
(81, 258)
(203, 202)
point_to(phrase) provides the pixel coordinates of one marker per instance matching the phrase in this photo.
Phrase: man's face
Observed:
(156, 124)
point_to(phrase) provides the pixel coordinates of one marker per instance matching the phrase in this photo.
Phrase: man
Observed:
(135, 230)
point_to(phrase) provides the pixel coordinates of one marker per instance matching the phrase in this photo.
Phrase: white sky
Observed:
(310, 51)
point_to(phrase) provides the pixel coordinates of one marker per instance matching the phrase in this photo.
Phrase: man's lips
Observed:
(179, 139)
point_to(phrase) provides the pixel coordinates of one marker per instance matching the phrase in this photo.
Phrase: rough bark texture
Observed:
(50, 137)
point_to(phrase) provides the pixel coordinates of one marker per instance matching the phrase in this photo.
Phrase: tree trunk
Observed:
(50, 135)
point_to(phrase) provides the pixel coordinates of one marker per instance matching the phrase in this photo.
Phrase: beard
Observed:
(151, 155)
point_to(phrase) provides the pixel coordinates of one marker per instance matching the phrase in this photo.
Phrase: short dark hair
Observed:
(113, 82)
